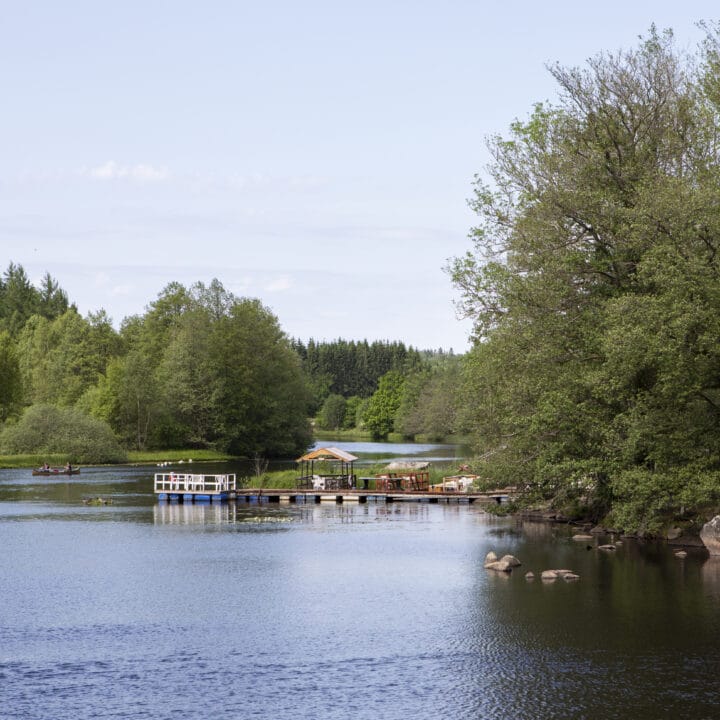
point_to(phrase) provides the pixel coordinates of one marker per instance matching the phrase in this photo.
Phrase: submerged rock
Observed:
(559, 573)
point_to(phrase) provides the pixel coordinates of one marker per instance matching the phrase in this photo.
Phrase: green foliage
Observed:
(430, 401)
(260, 391)
(351, 368)
(19, 300)
(62, 358)
(10, 378)
(332, 414)
(379, 416)
(200, 369)
(594, 285)
(66, 431)
(352, 408)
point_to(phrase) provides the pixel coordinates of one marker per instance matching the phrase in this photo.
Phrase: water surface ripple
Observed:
(142, 610)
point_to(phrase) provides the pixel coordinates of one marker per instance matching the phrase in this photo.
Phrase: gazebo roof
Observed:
(330, 453)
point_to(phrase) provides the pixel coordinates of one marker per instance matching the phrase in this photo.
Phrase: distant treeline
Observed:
(351, 368)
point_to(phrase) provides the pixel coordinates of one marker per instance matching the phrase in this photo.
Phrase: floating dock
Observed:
(191, 487)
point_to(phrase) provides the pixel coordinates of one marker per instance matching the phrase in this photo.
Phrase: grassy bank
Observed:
(174, 456)
(346, 435)
(134, 457)
(31, 461)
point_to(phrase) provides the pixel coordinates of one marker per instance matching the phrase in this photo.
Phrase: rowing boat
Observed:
(56, 471)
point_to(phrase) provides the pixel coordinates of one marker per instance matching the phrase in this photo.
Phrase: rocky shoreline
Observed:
(708, 538)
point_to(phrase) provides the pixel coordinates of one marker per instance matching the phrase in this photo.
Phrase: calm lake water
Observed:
(147, 610)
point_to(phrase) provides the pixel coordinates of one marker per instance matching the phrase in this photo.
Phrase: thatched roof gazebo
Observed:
(343, 475)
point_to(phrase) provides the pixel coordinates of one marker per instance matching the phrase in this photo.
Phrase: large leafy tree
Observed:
(260, 391)
(206, 369)
(595, 291)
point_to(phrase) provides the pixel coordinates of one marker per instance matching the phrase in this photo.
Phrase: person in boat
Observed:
(45, 467)
(68, 467)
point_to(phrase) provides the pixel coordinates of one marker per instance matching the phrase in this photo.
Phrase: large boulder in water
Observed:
(710, 535)
(499, 565)
(511, 560)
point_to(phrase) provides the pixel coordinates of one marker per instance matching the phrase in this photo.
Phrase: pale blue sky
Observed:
(316, 155)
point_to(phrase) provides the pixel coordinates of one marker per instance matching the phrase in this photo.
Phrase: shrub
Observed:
(45, 429)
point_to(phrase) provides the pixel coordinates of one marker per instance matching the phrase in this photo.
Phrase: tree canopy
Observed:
(593, 284)
(201, 368)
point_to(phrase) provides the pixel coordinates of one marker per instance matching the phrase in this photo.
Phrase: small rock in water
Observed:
(581, 537)
(681, 554)
(530, 575)
(491, 557)
(549, 575)
(609, 546)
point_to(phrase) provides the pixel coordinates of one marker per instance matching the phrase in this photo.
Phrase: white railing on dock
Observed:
(192, 483)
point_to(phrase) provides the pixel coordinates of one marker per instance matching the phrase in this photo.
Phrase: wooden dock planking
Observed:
(257, 495)
(187, 487)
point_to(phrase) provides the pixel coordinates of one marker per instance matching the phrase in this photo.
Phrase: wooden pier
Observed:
(497, 497)
(190, 488)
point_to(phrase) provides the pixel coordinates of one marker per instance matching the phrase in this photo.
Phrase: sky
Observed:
(318, 156)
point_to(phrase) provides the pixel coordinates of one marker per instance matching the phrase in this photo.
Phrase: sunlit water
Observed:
(145, 610)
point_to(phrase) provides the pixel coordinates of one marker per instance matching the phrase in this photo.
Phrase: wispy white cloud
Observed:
(141, 172)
